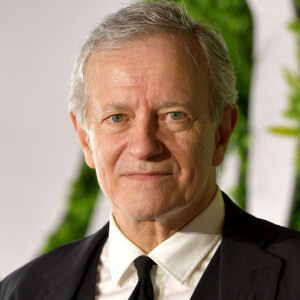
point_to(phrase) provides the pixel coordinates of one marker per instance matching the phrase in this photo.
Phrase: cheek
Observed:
(107, 152)
(194, 153)
(107, 149)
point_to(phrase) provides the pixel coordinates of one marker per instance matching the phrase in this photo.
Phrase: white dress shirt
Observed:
(181, 259)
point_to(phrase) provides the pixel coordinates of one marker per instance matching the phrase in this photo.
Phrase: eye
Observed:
(177, 115)
(117, 118)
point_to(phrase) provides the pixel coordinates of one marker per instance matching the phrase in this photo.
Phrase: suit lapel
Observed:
(208, 286)
(75, 261)
(247, 271)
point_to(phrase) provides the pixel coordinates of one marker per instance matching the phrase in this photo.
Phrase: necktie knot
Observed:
(143, 265)
(144, 288)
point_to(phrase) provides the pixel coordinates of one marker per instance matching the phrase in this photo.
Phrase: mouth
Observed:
(146, 176)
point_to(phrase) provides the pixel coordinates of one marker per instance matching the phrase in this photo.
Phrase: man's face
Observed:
(151, 136)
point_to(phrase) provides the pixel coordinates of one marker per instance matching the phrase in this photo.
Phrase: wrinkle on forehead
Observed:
(138, 63)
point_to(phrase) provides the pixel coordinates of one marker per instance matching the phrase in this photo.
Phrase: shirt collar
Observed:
(193, 242)
(121, 252)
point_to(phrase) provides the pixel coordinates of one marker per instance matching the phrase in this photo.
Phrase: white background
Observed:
(39, 152)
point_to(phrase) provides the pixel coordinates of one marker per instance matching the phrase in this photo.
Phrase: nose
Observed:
(143, 142)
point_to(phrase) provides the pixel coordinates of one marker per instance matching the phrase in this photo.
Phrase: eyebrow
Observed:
(170, 104)
(121, 106)
(112, 107)
(173, 103)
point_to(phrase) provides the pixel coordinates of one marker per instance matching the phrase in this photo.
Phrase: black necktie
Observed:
(144, 288)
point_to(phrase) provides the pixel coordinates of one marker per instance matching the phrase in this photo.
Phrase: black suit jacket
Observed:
(258, 260)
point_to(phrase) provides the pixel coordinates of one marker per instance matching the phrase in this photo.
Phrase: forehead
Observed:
(167, 62)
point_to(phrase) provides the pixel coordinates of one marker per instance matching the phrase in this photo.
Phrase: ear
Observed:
(224, 130)
(84, 141)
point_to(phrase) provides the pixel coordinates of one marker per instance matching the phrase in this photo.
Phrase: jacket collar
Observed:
(64, 277)
(247, 270)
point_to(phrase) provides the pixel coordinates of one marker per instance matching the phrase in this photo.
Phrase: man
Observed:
(153, 102)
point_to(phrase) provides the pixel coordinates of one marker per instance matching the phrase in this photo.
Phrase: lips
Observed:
(144, 176)
(151, 173)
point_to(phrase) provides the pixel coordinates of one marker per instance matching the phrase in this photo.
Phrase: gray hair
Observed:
(147, 19)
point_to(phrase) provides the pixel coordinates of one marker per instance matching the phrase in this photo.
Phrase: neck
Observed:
(148, 234)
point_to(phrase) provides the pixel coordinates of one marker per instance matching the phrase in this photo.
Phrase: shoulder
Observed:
(286, 246)
(27, 282)
(241, 226)
(262, 232)
(275, 241)
(267, 246)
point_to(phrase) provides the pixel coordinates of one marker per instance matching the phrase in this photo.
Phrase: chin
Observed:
(147, 211)
(148, 205)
